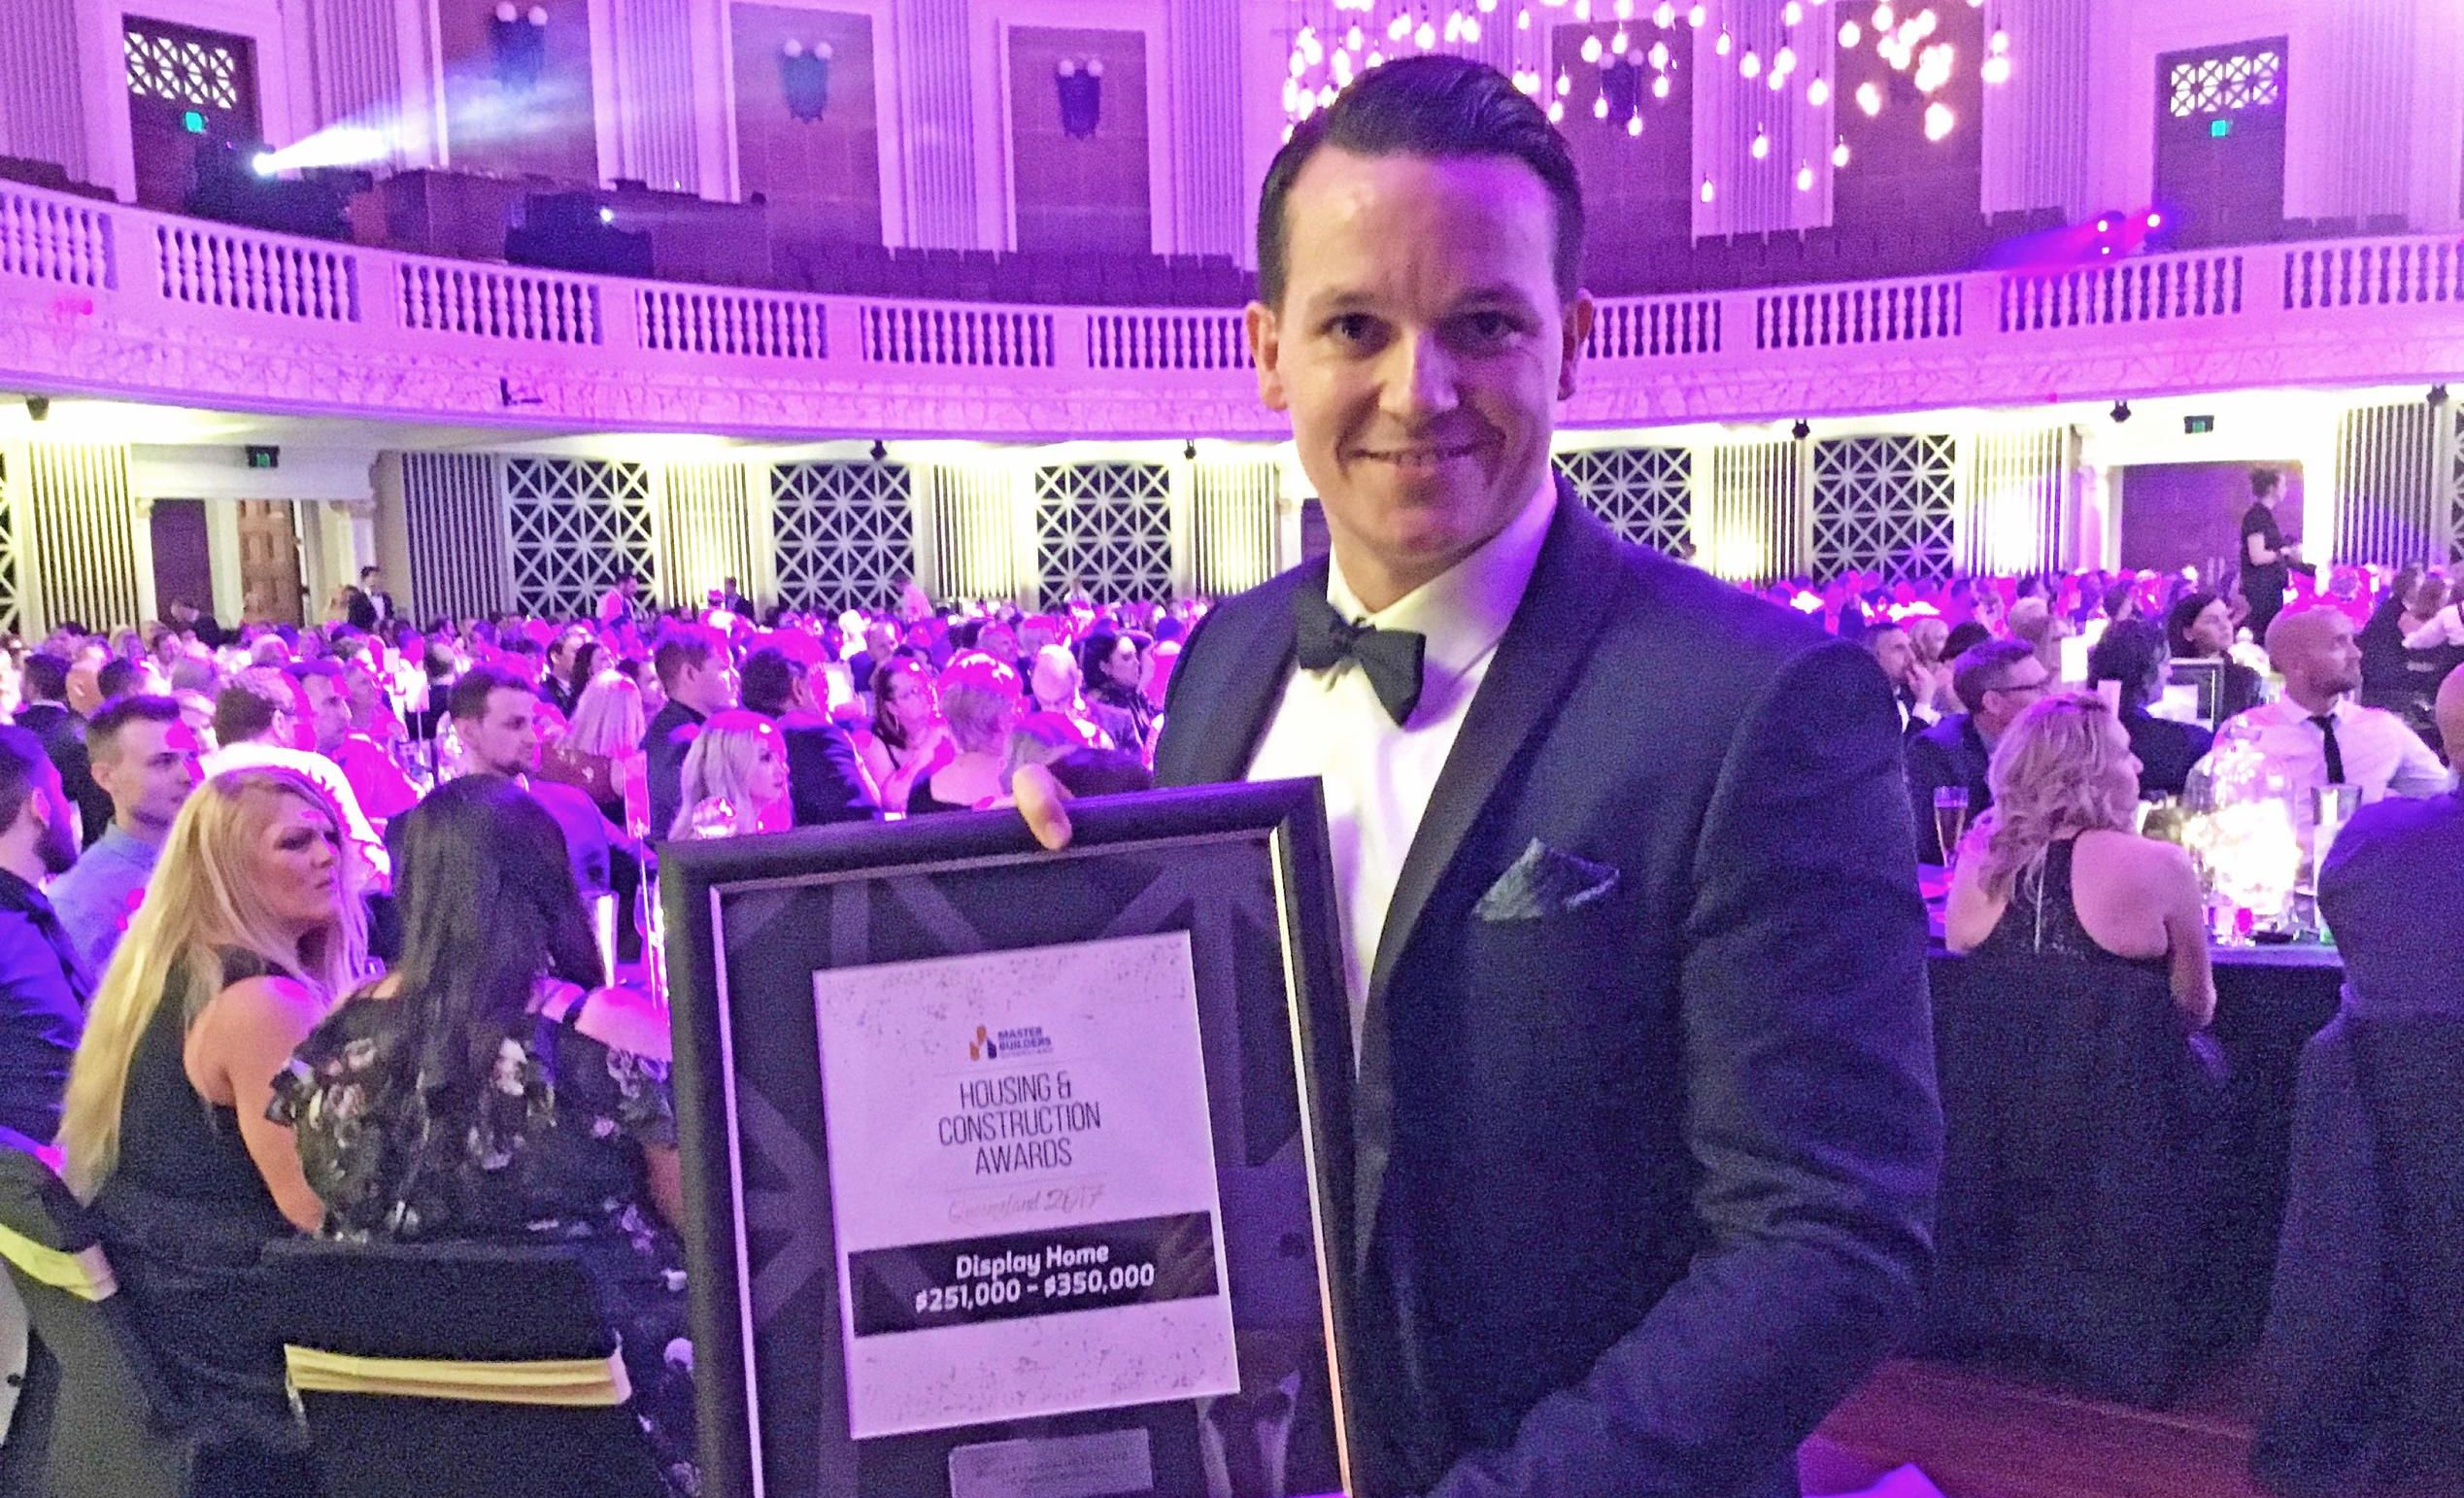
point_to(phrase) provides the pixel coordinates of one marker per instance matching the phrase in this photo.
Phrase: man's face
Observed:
(505, 739)
(1894, 654)
(2020, 685)
(329, 712)
(880, 639)
(1420, 349)
(149, 772)
(55, 838)
(708, 688)
(2212, 632)
(2324, 657)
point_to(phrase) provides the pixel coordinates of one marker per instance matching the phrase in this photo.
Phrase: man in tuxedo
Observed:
(1646, 1139)
(496, 715)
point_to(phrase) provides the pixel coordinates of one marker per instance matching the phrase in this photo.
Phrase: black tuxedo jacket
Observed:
(824, 778)
(1644, 1179)
(1950, 753)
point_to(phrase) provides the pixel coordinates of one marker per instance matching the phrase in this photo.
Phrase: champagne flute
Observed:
(1951, 821)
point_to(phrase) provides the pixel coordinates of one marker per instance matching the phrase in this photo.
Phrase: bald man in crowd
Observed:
(2316, 735)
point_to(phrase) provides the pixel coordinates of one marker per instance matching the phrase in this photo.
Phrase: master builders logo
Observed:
(1012, 1044)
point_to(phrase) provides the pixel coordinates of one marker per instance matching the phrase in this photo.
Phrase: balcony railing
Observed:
(422, 336)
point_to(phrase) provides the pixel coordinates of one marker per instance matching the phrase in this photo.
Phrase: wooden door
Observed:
(183, 568)
(270, 586)
(191, 95)
(2220, 142)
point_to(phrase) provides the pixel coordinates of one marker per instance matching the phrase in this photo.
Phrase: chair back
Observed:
(2363, 1357)
(2078, 1176)
(441, 1369)
(116, 1428)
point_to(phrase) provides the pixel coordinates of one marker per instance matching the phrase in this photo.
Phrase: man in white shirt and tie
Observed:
(2316, 735)
(1644, 1128)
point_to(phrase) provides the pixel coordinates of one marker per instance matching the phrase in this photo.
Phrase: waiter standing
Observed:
(2267, 562)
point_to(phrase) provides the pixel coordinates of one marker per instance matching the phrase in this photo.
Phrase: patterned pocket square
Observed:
(1544, 882)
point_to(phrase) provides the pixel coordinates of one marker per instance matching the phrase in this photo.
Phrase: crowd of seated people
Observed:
(242, 991)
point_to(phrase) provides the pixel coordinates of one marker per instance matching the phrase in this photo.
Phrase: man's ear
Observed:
(1265, 327)
(1576, 330)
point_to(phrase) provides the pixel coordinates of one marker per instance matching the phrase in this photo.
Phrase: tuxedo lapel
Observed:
(1254, 657)
(1543, 650)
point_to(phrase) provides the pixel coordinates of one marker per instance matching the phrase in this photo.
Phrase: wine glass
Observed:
(1950, 820)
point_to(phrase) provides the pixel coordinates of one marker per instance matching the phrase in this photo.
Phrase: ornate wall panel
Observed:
(705, 534)
(1884, 504)
(979, 534)
(1103, 530)
(504, 119)
(822, 176)
(358, 48)
(1071, 193)
(2036, 125)
(842, 535)
(78, 525)
(654, 93)
(1755, 523)
(2394, 489)
(575, 524)
(2016, 514)
(1208, 183)
(1232, 526)
(461, 558)
(41, 99)
(1645, 494)
(936, 109)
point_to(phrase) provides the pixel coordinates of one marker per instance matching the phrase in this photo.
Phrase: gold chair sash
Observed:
(578, 1383)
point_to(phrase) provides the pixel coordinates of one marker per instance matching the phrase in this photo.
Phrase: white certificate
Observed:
(1023, 1177)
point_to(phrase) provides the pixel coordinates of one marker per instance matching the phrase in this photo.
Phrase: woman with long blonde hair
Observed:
(254, 922)
(2056, 867)
(734, 779)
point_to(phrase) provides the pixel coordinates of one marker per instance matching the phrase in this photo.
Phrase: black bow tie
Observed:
(1389, 657)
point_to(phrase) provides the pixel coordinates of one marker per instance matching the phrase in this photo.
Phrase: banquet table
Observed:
(2269, 1001)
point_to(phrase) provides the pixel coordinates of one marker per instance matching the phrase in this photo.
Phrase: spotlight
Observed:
(2121, 411)
(263, 163)
(1803, 429)
(2155, 220)
(2104, 225)
(38, 408)
(607, 215)
(880, 449)
(2438, 394)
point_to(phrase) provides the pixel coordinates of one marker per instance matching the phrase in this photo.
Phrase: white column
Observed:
(2366, 67)
(652, 93)
(1756, 195)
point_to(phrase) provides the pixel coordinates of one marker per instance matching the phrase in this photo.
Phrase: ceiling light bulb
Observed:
(1938, 120)
(1665, 17)
(1805, 179)
(1708, 192)
(1840, 152)
(1591, 48)
(1619, 43)
(1724, 46)
(1697, 15)
(1750, 65)
(1996, 70)
(1556, 112)
(1599, 106)
(1660, 54)
(1818, 92)
(1426, 36)
(1851, 34)
(1869, 98)
(1762, 145)
(1660, 87)
(1791, 14)
(1633, 124)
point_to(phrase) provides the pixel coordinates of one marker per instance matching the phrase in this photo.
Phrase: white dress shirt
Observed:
(2445, 628)
(318, 769)
(2381, 754)
(1378, 775)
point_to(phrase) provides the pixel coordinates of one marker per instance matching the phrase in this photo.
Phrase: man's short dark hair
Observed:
(22, 761)
(46, 677)
(332, 672)
(468, 702)
(1434, 106)
(2263, 481)
(679, 649)
(368, 572)
(245, 707)
(769, 681)
(2132, 652)
(102, 734)
(117, 678)
(1980, 669)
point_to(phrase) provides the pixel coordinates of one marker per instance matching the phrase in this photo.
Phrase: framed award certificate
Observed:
(1014, 1174)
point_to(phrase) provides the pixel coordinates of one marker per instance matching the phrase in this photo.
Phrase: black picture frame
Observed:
(2206, 676)
(1244, 868)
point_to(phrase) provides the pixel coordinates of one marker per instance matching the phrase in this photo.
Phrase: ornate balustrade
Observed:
(108, 299)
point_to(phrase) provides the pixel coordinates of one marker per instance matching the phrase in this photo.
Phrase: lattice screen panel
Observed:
(1884, 504)
(2395, 497)
(1103, 530)
(2455, 468)
(183, 69)
(2227, 83)
(462, 565)
(12, 553)
(842, 535)
(577, 522)
(1645, 494)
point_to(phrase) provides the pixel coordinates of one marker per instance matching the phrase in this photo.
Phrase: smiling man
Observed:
(1646, 1131)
